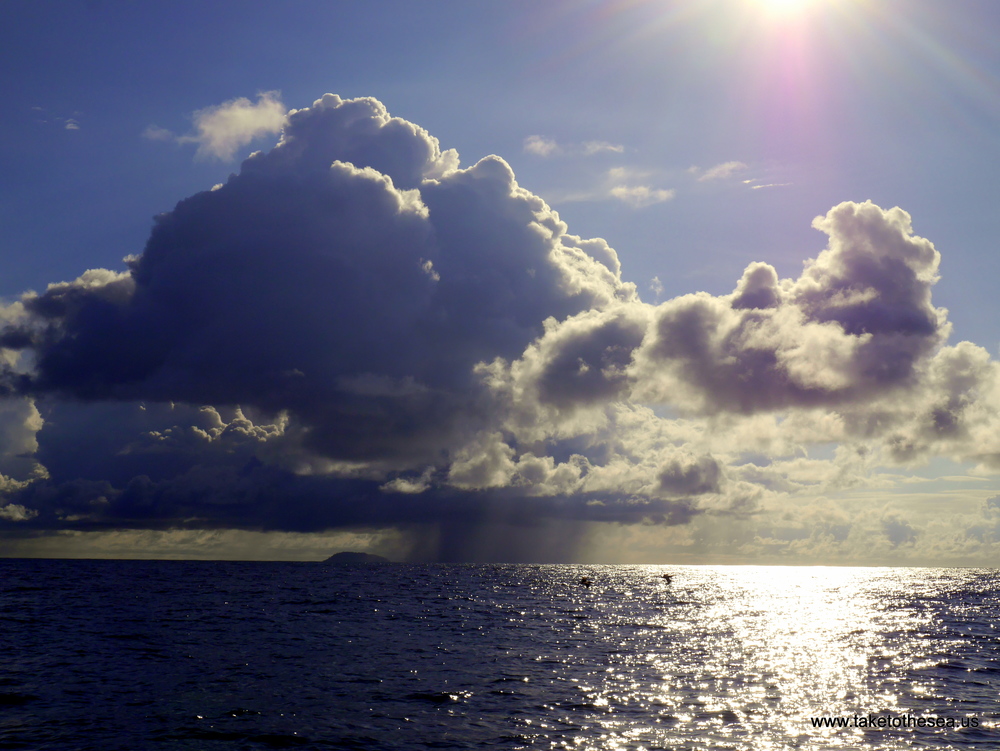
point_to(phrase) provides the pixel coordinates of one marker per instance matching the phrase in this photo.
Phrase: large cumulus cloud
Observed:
(850, 353)
(351, 276)
(354, 330)
(855, 324)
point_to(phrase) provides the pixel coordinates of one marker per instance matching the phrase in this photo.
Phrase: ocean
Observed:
(136, 655)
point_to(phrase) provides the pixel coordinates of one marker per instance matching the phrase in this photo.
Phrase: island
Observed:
(352, 556)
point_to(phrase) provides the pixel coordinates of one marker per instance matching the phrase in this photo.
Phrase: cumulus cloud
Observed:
(851, 351)
(14, 512)
(349, 279)
(20, 422)
(855, 325)
(690, 475)
(356, 331)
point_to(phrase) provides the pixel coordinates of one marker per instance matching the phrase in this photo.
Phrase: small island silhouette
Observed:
(352, 556)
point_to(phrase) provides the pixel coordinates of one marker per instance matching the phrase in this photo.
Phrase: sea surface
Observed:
(136, 655)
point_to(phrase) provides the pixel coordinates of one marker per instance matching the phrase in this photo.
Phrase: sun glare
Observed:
(783, 7)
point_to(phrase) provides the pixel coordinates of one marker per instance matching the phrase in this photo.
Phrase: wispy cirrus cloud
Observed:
(640, 196)
(67, 123)
(596, 147)
(627, 185)
(544, 146)
(630, 186)
(156, 133)
(719, 172)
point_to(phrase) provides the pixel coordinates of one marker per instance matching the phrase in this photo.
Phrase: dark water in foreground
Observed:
(183, 655)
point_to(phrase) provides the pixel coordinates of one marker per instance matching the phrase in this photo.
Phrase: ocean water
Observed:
(137, 655)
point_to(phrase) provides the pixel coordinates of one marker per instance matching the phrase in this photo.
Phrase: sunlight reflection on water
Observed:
(251, 655)
(746, 656)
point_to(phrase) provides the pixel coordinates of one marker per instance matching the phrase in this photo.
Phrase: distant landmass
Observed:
(355, 557)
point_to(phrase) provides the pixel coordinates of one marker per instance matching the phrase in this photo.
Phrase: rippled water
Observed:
(181, 655)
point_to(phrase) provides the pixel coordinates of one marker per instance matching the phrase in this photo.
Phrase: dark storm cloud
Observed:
(490, 525)
(587, 361)
(351, 276)
(118, 440)
(687, 476)
(345, 284)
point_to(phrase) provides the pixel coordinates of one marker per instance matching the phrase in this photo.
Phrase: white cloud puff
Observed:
(14, 512)
(20, 422)
(541, 146)
(222, 129)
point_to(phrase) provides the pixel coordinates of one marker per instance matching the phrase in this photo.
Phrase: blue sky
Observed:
(696, 137)
(895, 104)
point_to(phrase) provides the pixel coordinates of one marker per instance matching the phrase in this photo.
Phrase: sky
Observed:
(643, 281)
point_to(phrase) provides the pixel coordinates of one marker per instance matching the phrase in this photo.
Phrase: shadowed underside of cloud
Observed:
(355, 331)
